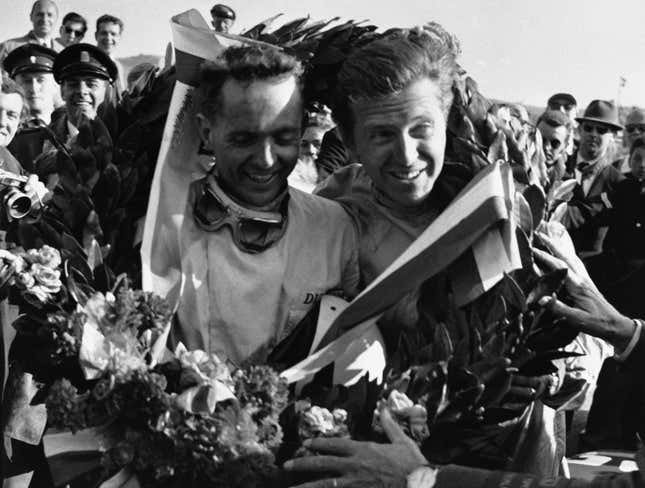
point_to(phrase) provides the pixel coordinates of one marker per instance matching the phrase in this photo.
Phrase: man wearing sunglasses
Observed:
(591, 166)
(73, 29)
(255, 253)
(557, 132)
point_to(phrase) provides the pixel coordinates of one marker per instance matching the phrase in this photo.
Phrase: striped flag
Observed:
(474, 239)
(179, 162)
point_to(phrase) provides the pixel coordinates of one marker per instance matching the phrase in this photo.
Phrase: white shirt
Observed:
(236, 304)
(586, 178)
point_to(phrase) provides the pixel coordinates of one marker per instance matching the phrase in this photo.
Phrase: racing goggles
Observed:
(253, 231)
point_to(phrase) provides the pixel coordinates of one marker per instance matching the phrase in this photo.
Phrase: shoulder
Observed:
(314, 205)
(610, 173)
(344, 182)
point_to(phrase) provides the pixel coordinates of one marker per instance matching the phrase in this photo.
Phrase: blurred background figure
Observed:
(140, 73)
(557, 133)
(306, 174)
(567, 104)
(223, 18)
(43, 16)
(634, 128)
(31, 65)
(72, 30)
(108, 35)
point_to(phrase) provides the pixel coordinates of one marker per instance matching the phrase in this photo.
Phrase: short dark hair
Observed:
(74, 17)
(555, 118)
(109, 19)
(244, 64)
(388, 64)
(638, 142)
(9, 86)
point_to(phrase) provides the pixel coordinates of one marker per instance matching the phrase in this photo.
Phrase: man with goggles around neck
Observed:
(592, 167)
(256, 254)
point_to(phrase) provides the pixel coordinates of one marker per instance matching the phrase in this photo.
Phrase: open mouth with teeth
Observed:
(261, 178)
(406, 175)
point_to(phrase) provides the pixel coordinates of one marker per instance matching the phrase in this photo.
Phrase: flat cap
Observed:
(562, 97)
(29, 58)
(224, 11)
(84, 60)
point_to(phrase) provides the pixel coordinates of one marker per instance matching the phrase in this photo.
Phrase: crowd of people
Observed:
(303, 201)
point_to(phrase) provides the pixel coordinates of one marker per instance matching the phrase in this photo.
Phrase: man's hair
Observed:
(555, 118)
(74, 17)
(109, 19)
(8, 87)
(388, 64)
(38, 2)
(638, 142)
(244, 64)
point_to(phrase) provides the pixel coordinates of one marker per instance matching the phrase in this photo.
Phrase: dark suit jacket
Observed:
(590, 236)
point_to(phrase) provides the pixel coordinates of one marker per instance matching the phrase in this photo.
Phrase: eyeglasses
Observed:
(599, 129)
(635, 128)
(253, 231)
(78, 33)
(561, 105)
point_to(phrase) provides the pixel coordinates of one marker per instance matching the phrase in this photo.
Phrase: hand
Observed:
(352, 464)
(591, 313)
(36, 190)
(525, 389)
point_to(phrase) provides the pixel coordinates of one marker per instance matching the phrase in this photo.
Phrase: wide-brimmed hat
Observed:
(601, 112)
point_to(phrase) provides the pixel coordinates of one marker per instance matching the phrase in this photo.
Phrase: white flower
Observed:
(49, 257)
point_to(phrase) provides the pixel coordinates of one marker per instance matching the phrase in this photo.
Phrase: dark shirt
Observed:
(626, 233)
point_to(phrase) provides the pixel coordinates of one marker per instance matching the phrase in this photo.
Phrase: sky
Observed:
(517, 50)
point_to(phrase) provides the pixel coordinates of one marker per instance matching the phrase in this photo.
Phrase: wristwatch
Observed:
(423, 477)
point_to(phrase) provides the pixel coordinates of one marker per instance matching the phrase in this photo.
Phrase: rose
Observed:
(49, 257)
(199, 367)
(37, 293)
(25, 280)
(317, 421)
(412, 417)
(48, 278)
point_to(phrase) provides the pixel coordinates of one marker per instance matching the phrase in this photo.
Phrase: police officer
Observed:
(84, 73)
(31, 66)
(223, 17)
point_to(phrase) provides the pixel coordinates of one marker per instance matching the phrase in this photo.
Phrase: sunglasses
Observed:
(253, 231)
(78, 33)
(635, 128)
(558, 106)
(599, 129)
(554, 143)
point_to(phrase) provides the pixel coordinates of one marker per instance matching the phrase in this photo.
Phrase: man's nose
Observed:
(407, 150)
(266, 157)
(4, 118)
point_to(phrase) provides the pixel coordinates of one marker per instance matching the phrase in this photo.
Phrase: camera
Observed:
(17, 203)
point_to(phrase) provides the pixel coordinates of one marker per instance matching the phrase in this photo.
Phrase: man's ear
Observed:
(96, 36)
(204, 126)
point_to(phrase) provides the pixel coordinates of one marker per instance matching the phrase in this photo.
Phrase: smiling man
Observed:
(43, 16)
(108, 36)
(394, 124)
(84, 73)
(255, 253)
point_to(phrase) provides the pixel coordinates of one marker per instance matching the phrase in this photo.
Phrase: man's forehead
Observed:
(104, 26)
(44, 6)
(10, 100)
